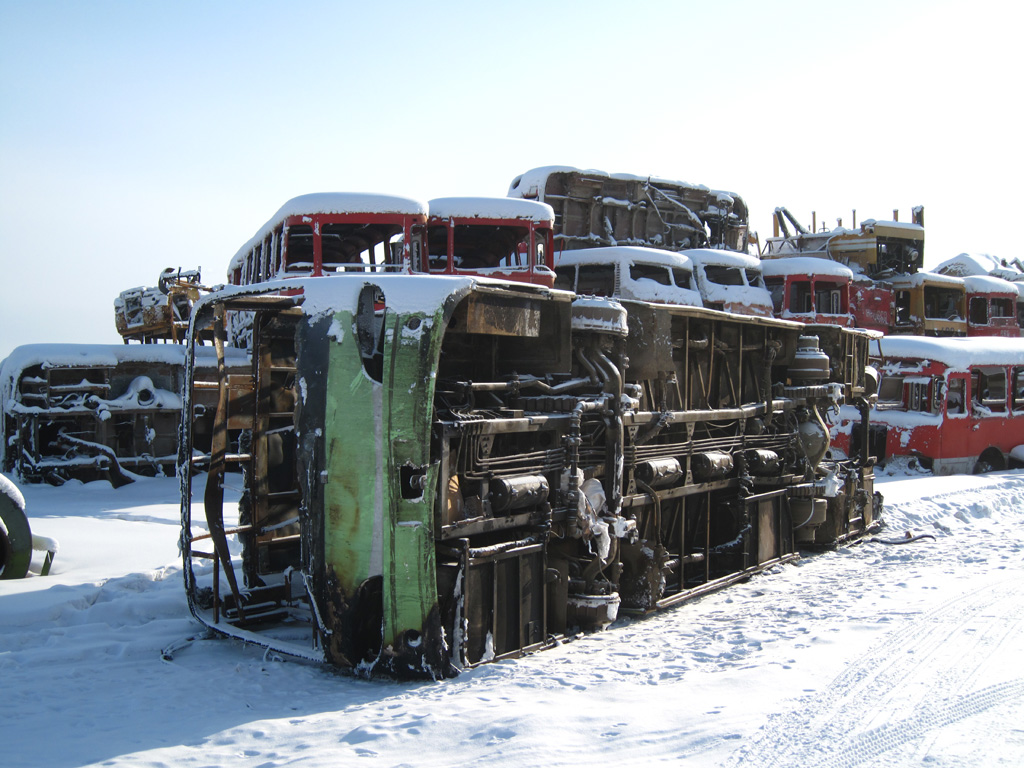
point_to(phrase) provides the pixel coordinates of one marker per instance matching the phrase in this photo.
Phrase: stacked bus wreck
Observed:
(98, 411)
(94, 411)
(942, 402)
(710, 229)
(444, 469)
(875, 253)
(477, 469)
(594, 208)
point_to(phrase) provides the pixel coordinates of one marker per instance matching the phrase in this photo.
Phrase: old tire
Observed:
(991, 460)
(15, 540)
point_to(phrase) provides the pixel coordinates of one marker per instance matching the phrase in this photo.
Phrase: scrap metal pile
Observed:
(450, 453)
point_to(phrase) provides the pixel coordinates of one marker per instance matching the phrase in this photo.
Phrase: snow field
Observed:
(873, 655)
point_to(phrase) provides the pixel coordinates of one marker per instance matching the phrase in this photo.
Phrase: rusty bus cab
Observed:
(330, 233)
(500, 238)
(929, 304)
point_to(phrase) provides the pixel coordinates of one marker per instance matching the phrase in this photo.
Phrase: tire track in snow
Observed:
(944, 712)
(945, 650)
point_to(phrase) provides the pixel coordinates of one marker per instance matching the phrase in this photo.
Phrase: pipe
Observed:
(573, 440)
(616, 428)
(656, 521)
(524, 383)
(771, 350)
(597, 565)
(588, 365)
(792, 220)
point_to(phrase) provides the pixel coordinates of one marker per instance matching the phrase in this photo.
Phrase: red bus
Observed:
(810, 289)
(991, 306)
(956, 404)
(333, 232)
(498, 237)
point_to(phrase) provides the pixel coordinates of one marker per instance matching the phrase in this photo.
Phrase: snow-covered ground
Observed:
(874, 655)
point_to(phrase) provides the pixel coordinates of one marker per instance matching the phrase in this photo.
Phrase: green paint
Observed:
(373, 429)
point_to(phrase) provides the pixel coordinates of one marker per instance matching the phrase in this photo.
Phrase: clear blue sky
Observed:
(136, 136)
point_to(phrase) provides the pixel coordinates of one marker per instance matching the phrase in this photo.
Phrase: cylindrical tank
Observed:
(508, 493)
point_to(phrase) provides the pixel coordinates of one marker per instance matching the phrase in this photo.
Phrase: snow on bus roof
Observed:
(805, 265)
(875, 224)
(921, 278)
(958, 353)
(491, 208)
(624, 254)
(723, 257)
(531, 184)
(988, 284)
(349, 202)
(967, 264)
(318, 203)
(328, 295)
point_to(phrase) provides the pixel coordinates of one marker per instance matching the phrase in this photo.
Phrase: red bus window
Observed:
(827, 299)
(1018, 389)
(989, 385)
(1002, 308)
(437, 248)
(541, 238)
(890, 390)
(979, 310)
(802, 299)
(299, 251)
(955, 396)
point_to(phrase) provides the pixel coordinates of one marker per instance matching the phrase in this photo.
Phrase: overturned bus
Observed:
(441, 471)
(98, 411)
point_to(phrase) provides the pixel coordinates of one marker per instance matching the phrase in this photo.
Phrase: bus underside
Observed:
(441, 472)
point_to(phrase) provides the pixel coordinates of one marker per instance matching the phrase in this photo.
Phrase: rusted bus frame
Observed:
(200, 323)
(716, 359)
(467, 557)
(696, 343)
(540, 240)
(849, 352)
(632, 210)
(603, 419)
(72, 418)
(784, 552)
(268, 258)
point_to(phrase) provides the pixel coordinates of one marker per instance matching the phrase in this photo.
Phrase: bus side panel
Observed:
(355, 497)
(412, 627)
(382, 594)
